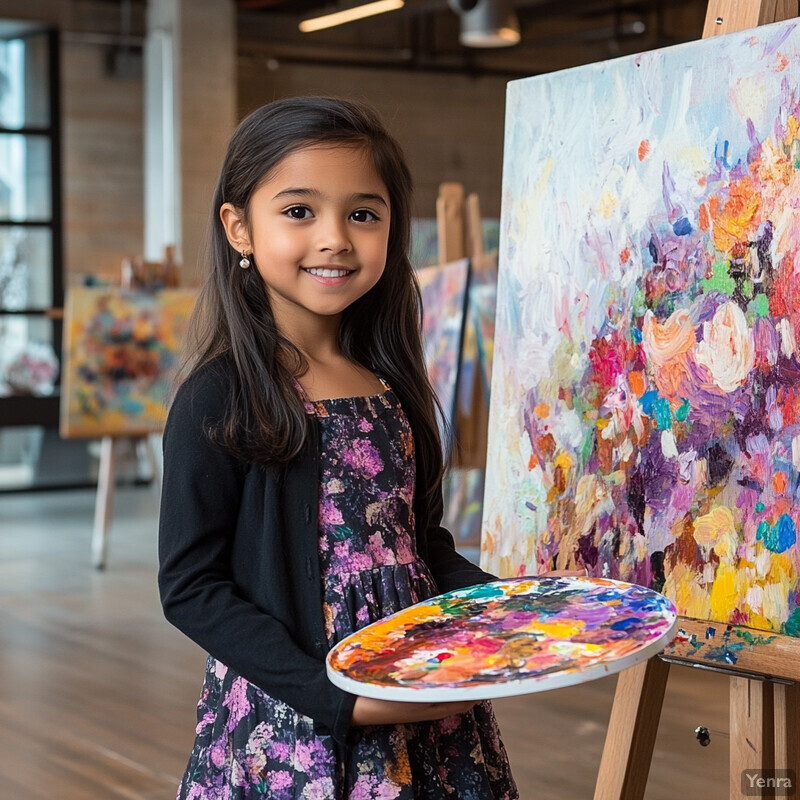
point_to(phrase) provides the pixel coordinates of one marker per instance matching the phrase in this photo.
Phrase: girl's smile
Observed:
(318, 228)
(330, 276)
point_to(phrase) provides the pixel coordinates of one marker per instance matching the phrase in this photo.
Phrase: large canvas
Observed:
(120, 357)
(645, 418)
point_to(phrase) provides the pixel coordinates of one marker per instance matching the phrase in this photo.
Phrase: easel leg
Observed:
(787, 727)
(104, 504)
(752, 733)
(632, 729)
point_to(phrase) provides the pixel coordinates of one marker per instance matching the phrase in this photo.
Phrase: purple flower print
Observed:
(281, 779)
(356, 560)
(208, 719)
(321, 789)
(362, 617)
(237, 703)
(258, 741)
(404, 551)
(378, 550)
(312, 758)
(329, 513)
(363, 459)
(239, 774)
(280, 751)
(218, 752)
(198, 792)
(370, 787)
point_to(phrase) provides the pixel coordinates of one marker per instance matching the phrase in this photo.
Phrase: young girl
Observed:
(302, 475)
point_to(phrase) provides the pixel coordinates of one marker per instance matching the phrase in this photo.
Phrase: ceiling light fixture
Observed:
(349, 15)
(491, 23)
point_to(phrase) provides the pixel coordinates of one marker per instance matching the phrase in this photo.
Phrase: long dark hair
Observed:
(265, 420)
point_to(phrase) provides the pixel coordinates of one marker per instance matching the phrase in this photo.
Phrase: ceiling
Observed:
(424, 34)
(556, 34)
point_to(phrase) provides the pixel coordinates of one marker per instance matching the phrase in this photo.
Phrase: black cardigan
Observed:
(239, 570)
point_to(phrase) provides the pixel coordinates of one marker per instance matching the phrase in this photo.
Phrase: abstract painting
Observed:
(120, 356)
(482, 309)
(463, 484)
(645, 418)
(504, 638)
(444, 296)
(462, 489)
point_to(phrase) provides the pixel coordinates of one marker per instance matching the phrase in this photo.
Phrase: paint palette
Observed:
(504, 638)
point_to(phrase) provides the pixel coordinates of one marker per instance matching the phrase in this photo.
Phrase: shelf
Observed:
(29, 130)
(26, 223)
(52, 313)
(18, 410)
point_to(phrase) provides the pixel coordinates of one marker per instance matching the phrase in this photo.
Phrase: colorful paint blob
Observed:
(645, 419)
(505, 638)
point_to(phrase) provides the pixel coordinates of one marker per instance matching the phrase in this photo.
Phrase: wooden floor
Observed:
(98, 692)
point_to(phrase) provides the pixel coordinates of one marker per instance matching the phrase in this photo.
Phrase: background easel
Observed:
(121, 350)
(106, 483)
(460, 235)
(764, 689)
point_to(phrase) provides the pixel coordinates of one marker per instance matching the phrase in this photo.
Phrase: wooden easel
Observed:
(764, 689)
(460, 235)
(156, 284)
(106, 484)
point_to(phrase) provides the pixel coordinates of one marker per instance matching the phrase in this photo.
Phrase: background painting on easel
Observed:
(482, 308)
(444, 297)
(645, 417)
(120, 356)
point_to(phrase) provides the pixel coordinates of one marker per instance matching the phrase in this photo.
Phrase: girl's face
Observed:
(319, 232)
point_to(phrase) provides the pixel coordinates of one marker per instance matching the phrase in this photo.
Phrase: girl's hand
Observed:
(368, 711)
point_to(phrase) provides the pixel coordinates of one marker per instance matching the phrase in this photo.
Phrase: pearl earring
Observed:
(245, 261)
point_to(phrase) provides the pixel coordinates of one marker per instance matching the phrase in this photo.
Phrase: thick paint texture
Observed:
(121, 356)
(514, 630)
(645, 418)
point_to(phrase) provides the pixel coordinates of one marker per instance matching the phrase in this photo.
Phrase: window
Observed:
(31, 284)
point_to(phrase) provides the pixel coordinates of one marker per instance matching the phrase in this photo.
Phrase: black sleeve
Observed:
(200, 505)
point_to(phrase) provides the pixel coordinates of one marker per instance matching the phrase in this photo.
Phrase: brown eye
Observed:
(363, 215)
(298, 212)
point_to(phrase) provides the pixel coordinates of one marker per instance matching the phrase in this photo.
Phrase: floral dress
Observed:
(251, 745)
